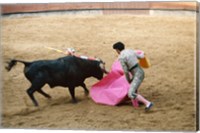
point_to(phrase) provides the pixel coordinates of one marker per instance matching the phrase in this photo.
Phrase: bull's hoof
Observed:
(74, 101)
(49, 97)
(36, 105)
(86, 93)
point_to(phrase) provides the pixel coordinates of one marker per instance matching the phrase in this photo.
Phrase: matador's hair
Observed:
(119, 46)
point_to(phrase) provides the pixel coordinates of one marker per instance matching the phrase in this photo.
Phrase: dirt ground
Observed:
(169, 42)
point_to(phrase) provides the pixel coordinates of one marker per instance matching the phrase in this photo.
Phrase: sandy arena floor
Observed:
(169, 42)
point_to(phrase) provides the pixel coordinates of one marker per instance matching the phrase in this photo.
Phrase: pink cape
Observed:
(112, 89)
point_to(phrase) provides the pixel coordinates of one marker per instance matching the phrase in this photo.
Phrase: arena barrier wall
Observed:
(101, 7)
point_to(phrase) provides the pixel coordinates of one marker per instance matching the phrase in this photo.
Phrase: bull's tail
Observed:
(13, 62)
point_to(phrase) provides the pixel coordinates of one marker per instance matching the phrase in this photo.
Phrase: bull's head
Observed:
(103, 69)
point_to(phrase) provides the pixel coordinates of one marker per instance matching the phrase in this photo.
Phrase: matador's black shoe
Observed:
(149, 107)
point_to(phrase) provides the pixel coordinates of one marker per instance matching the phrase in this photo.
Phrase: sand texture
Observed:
(169, 43)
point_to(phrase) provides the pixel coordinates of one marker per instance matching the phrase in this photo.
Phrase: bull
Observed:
(68, 71)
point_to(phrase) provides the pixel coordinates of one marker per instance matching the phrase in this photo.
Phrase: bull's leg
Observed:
(85, 89)
(36, 85)
(71, 90)
(44, 94)
(30, 92)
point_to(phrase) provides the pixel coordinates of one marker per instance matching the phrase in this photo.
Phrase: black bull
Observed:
(69, 71)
